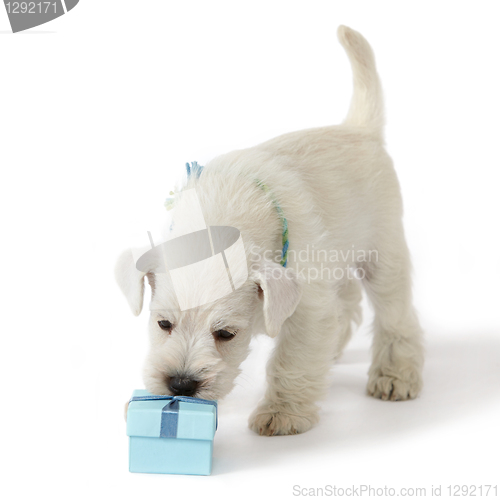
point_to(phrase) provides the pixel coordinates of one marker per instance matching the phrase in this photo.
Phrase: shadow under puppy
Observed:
(336, 189)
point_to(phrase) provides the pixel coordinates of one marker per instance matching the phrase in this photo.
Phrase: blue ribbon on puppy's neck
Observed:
(170, 412)
(194, 169)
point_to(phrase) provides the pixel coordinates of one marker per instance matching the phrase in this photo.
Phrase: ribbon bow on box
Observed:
(170, 412)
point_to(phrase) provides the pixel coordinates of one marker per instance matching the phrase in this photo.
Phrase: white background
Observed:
(99, 111)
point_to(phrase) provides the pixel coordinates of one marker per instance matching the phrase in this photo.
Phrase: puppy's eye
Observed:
(223, 335)
(165, 325)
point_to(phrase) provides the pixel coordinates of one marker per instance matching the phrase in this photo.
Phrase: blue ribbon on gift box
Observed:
(170, 412)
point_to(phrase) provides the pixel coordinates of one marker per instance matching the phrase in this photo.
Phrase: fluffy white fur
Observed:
(338, 190)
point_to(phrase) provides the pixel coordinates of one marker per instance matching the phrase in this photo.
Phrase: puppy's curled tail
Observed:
(367, 107)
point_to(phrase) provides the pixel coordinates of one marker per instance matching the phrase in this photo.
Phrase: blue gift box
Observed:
(170, 434)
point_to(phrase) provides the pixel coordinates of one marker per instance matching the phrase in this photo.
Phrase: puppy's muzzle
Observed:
(181, 386)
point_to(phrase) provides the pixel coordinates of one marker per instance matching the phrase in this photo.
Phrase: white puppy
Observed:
(337, 189)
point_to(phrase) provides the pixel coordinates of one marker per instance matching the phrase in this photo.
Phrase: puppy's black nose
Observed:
(183, 386)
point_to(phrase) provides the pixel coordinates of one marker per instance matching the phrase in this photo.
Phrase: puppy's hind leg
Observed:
(397, 351)
(350, 312)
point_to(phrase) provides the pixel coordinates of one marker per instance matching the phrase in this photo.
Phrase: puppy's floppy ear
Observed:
(130, 280)
(281, 294)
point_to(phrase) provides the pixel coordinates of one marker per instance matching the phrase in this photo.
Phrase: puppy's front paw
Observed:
(270, 421)
(393, 388)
